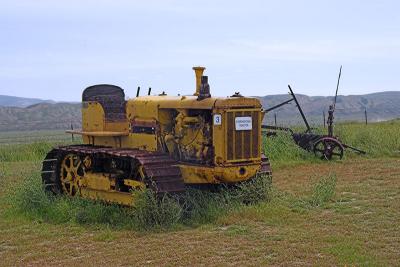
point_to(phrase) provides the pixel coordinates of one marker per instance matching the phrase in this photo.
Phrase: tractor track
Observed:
(162, 171)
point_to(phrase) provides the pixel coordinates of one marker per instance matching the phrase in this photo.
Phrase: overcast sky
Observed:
(54, 49)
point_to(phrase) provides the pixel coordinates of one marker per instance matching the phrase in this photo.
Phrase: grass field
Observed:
(56, 136)
(317, 213)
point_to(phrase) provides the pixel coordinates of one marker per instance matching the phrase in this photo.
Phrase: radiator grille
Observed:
(243, 145)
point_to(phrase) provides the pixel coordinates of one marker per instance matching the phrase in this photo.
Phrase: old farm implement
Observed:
(325, 146)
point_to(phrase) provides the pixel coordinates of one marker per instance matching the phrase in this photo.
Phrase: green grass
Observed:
(282, 151)
(25, 152)
(377, 139)
(323, 191)
(350, 252)
(32, 145)
(30, 200)
(26, 137)
(193, 208)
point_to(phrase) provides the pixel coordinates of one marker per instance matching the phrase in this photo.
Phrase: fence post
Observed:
(366, 116)
(72, 135)
(275, 119)
(323, 115)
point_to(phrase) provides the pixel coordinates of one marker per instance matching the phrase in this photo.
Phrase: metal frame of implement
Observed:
(326, 147)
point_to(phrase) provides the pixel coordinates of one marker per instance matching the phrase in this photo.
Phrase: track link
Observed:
(50, 170)
(265, 166)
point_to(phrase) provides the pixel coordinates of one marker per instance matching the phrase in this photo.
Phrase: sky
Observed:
(54, 49)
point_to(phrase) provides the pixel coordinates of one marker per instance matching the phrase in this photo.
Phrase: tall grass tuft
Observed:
(321, 195)
(201, 206)
(282, 151)
(155, 212)
(323, 191)
(252, 191)
(29, 199)
(150, 212)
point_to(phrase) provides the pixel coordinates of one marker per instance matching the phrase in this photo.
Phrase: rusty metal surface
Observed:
(323, 146)
(255, 135)
(111, 98)
(328, 147)
(306, 140)
(230, 134)
(265, 166)
(162, 171)
(242, 145)
(204, 90)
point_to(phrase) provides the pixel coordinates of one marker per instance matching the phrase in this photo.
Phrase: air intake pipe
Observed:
(199, 73)
(202, 86)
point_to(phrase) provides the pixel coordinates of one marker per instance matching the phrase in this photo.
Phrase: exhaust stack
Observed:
(199, 73)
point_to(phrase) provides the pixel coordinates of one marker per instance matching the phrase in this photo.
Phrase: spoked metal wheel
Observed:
(328, 148)
(72, 172)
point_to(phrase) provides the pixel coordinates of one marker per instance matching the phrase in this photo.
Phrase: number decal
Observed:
(217, 119)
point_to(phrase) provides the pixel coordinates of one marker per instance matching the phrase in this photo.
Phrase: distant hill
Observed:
(380, 106)
(21, 102)
(40, 116)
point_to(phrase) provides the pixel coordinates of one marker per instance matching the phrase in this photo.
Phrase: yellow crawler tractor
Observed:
(160, 142)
